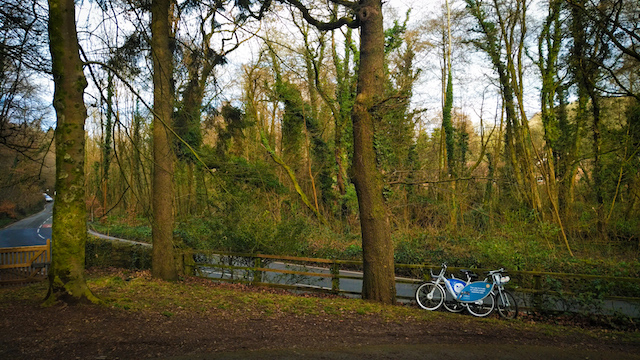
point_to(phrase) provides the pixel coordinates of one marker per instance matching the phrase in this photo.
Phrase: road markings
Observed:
(44, 225)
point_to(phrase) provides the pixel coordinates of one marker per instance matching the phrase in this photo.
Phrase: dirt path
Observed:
(426, 352)
(90, 332)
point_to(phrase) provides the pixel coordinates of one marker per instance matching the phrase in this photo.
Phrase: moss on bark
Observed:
(69, 231)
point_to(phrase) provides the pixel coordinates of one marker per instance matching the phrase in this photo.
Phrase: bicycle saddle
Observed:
(470, 274)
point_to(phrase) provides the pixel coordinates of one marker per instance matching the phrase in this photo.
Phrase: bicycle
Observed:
(450, 303)
(477, 297)
(506, 303)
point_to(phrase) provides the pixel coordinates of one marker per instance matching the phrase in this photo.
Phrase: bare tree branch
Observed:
(352, 22)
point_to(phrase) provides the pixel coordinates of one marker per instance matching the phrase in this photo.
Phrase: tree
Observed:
(107, 142)
(588, 51)
(378, 281)
(617, 24)
(66, 276)
(559, 152)
(199, 60)
(377, 248)
(502, 27)
(22, 39)
(447, 124)
(163, 260)
(340, 102)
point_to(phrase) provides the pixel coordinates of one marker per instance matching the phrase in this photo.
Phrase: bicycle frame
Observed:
(499, 280)
(471, 292)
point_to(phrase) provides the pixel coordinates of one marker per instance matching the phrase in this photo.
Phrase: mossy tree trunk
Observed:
(379, 273)
(503, 29)
(163, 261)
(66, 276)
(587, 53)
(553, 118)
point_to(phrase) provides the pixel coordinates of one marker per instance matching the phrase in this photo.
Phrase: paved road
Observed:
(349, 286)
(34, 230)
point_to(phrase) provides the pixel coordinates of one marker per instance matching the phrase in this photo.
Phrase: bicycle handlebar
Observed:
(442, 270)
(501, 270)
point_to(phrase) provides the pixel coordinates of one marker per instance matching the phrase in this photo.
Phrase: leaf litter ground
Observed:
(199, 319)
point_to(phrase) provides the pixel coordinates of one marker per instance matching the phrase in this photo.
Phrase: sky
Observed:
(474, 93)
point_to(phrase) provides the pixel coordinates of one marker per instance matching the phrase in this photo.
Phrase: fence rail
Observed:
(534, 287)
(24, 264)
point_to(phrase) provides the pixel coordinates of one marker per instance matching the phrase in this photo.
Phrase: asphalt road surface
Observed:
(34, 230)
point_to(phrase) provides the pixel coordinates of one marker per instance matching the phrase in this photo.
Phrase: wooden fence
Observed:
(24, 264)
(535, 289)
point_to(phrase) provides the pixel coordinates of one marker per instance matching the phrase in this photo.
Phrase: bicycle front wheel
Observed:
(507, 305)
(482, 307)
(429, 296)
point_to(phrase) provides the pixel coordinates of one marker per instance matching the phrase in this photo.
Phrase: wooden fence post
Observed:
(188, 264)
(335, 280)
(257, 274)
(537, 295)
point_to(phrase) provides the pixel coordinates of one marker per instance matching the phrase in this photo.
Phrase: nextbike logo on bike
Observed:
(458, 287)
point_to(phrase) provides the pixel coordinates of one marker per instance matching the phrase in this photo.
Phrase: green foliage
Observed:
(447, 125)
(247, 231)
(410, 251)
(394, 120)
(107, 253)
(353, 252)
(235, 122)
(239, 175)
(349, 201)
(293, 122)
(121, 228)
(186, 123)
(393, 37)
(322, 160)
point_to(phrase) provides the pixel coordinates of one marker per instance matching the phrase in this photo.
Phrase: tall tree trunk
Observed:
(66, 277)
(344, 91)
(452, 166)
(163, 261)
(500, 30)
(597, 164)
(587, 53)
(549, 43)
(379, 274)
(106, 146)
(567, 164)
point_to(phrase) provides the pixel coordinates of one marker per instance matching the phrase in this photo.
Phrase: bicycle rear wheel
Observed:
(452, 305)
(429, 296)
(507, 305)
(482, 308)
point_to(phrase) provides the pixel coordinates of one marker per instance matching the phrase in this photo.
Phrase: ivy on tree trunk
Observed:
(377, 248)
(69, 232)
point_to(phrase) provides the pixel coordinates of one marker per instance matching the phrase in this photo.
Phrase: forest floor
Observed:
(141, 317)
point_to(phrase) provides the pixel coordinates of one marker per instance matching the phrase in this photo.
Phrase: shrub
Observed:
(107, 253)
